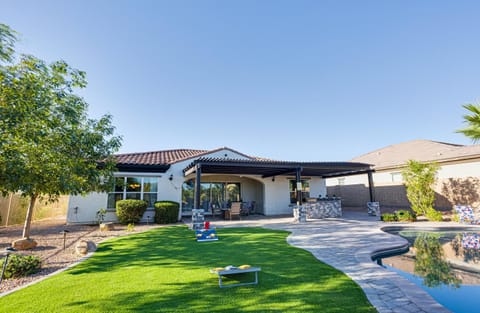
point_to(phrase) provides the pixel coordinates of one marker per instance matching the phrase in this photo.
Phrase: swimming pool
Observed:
(444, 262)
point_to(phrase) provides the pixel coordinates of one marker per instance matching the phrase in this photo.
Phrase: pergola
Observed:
(269, 168)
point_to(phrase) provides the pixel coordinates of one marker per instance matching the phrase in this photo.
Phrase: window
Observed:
(293, 190)
(140, 188)
(218, 194)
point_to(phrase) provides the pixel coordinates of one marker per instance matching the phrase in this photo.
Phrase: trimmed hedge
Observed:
(130, 211)
(389, 217)
(166, 212)
(21, 265)
(405, 216)
(399, 216)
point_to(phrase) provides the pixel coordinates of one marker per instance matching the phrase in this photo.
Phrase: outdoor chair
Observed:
(252, 207)
(216, 210)
(234, 210)
(247, 207)
(466, 214)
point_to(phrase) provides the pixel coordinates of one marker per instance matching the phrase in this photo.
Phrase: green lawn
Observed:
(166, 270)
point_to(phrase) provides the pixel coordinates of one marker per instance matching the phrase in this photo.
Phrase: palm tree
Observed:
(473, 129)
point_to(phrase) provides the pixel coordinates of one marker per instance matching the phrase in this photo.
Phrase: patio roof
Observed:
(270, 168)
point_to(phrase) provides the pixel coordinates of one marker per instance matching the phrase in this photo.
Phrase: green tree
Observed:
(419, 179)
(473, 120)
(8, 37)
(48, 145)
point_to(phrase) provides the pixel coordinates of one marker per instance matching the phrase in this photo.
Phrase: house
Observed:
(210, 178)
(458, 178)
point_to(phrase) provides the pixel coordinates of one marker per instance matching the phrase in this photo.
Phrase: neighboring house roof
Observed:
(397, 155)
(160, 161)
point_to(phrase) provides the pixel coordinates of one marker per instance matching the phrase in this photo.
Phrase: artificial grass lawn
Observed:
(166, 270)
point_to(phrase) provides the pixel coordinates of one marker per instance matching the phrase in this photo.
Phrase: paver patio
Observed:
(347, 244)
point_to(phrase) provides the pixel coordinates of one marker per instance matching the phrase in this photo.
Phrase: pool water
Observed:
(465, 299)
(446, 264)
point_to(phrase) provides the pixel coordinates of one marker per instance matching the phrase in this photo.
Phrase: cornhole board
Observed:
(206, 235)
(236, 271)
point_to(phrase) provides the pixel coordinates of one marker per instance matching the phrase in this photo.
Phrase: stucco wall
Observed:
(271, 195)
(83, 209)
(277, 197)
(318, 187)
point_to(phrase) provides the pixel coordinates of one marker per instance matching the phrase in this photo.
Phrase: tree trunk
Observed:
(28, 218)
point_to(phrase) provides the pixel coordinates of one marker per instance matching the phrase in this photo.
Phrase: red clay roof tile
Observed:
(167, 157)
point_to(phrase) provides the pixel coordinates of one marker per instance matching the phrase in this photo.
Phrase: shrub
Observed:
(419, 179)
(434, 215)
(130, 211)
(21, 265)
(166, 212)
(131, 227)
(405, 216)
(455, 218)
(389, 217)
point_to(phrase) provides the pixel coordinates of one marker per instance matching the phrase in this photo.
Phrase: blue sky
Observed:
(289, 80)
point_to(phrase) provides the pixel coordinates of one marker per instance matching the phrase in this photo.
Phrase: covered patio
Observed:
(268, 173)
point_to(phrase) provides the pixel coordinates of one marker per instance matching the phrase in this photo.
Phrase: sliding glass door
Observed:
(212, 195)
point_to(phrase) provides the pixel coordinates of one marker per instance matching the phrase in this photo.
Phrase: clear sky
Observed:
(288, 80)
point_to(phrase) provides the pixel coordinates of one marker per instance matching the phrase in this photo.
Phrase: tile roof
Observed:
(420, 150)
(167, 157)
(159, 157)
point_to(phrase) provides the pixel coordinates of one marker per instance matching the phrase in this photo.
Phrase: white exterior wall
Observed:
(272, 197)
(83, 209)
(89, 204)
(277, 197)
(460, 170)
(318, 187)
(350, 180)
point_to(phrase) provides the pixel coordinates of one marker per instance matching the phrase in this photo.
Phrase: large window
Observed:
(212, 194)
(141, 188)
(293, 190)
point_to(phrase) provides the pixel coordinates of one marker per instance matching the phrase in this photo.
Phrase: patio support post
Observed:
(196, 203)
(299, 185)
(371, 187)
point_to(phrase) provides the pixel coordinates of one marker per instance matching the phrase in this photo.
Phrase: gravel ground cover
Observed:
(50, 247)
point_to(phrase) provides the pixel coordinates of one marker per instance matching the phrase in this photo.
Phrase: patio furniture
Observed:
(466, 214)
(216, 210)
(230, 270)
(234, 210)
(248, 208)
